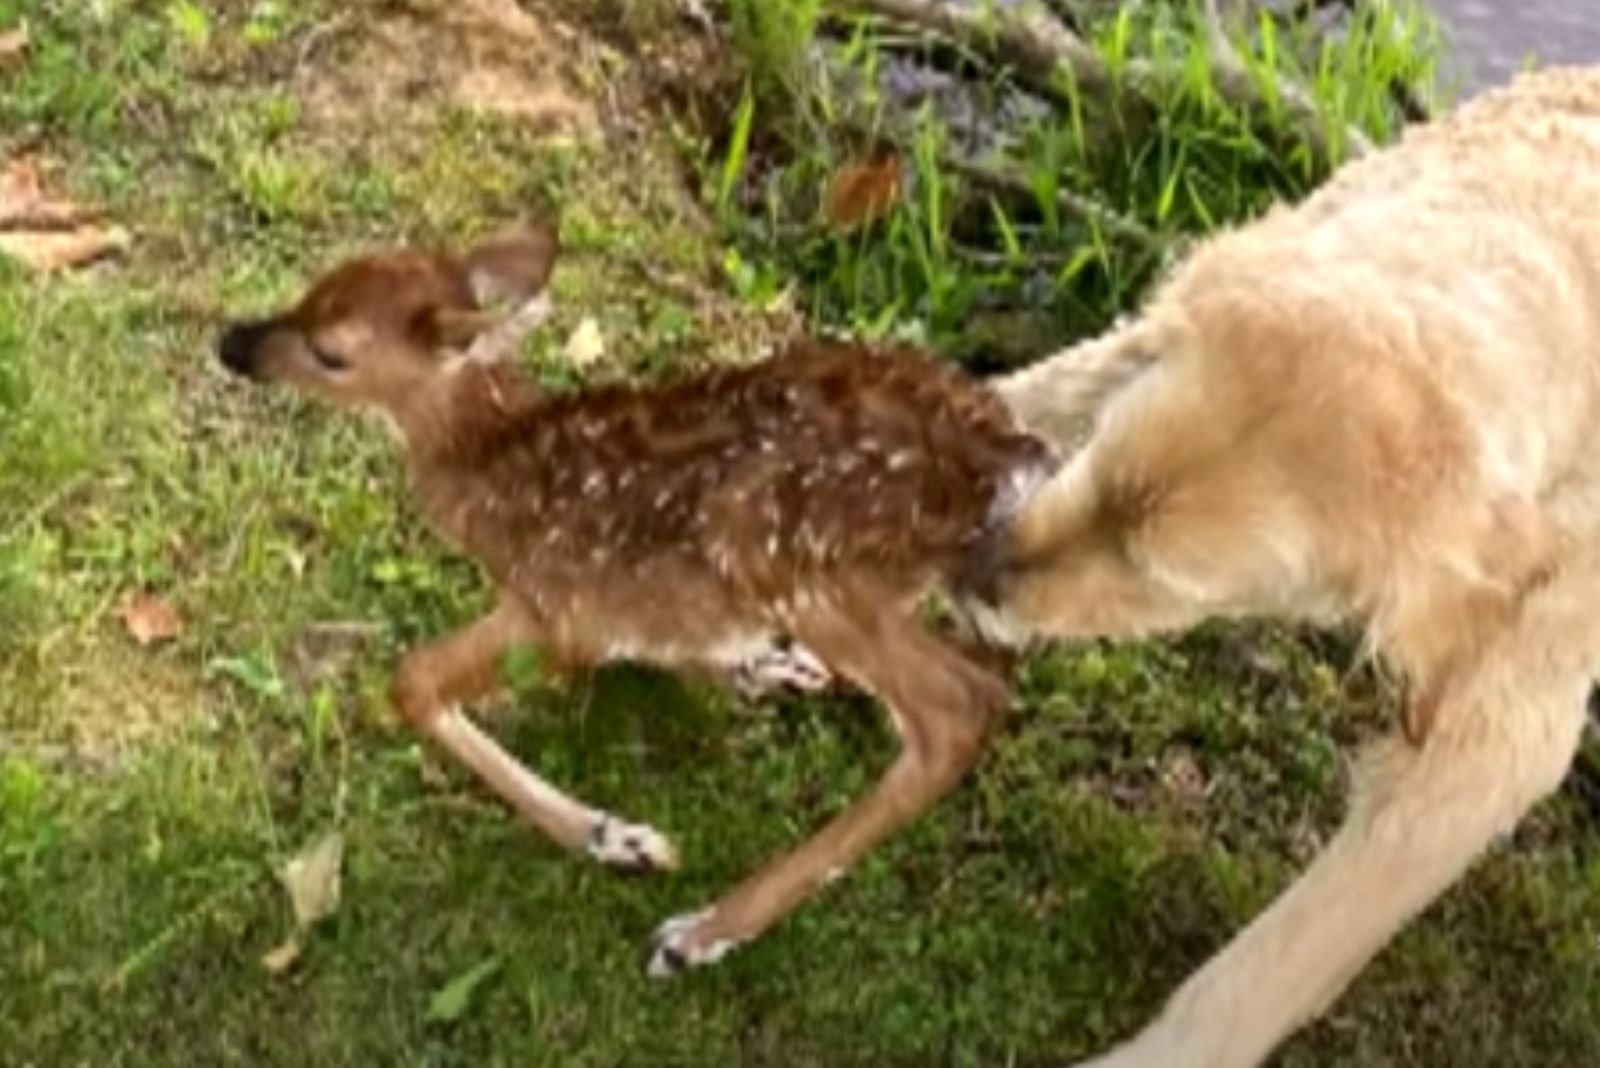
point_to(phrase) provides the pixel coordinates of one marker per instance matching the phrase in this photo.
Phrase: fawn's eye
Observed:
(329, 361)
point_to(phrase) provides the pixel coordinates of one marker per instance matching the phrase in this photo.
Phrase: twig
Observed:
(344, 628)
(993, 260)
(1084, 208)
(317, 36)
(1071, 15)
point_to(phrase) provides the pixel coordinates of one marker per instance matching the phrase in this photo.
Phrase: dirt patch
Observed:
(491, 56)
(104, 700)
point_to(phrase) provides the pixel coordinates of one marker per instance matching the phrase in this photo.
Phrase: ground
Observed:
(1141, 804)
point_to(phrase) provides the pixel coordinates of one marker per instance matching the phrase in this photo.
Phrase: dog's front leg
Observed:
(436, 680)
(1505, 733)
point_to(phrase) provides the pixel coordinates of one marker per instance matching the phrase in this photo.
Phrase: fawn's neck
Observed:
(452, 426)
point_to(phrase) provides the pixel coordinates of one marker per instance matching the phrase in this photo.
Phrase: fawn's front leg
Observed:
(430, 687)
(944, 706)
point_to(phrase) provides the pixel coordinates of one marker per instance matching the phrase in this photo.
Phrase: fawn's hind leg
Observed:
(432, 684)
(943, 706)
(781, 664)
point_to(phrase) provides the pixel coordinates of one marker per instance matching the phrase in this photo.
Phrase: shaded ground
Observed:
(1143, 804)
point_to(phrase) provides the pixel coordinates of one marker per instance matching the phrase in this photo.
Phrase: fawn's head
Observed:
(377, 329)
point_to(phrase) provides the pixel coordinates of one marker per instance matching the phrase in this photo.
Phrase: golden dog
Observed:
(1380, 406)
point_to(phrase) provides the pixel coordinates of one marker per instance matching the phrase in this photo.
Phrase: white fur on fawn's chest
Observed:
(730, 652)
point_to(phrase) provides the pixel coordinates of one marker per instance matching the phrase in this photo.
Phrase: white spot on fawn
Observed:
(634, 846)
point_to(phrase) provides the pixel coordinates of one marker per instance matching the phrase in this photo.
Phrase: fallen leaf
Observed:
(862, 192)
(149, 619)
(45, 231)
(50, 251)
(452, 1000)
(586, 345)
(13, 43)
(312, 879)
(280, 960)
(24, 202)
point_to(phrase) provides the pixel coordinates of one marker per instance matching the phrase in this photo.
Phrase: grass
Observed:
(988, 252)
(1143, 803)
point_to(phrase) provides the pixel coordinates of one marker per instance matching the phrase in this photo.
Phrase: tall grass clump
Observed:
(996, 177)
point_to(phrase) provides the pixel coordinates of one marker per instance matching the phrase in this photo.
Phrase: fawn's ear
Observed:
(454, 328)
(512, 266)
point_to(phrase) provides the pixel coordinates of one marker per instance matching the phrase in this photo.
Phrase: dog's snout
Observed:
(237, 348)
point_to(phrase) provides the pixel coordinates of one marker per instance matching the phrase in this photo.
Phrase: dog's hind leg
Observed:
(1506, 730)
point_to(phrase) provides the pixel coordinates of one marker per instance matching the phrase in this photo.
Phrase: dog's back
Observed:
(1364, 405)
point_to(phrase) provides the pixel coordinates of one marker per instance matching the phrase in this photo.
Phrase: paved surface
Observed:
(1490, 39)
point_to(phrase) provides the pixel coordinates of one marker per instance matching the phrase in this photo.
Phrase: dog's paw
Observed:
(674, 948)
(631, 846)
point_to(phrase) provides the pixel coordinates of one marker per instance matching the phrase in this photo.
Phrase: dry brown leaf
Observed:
(59, 250)
(24, 203)
(149, 619)
(312, 879)
(13, 43)
(47, 232)
(862, 192)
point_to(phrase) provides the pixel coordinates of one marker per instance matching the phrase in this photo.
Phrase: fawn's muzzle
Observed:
(237, 348)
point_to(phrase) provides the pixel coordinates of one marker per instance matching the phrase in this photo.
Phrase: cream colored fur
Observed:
(1381, 406)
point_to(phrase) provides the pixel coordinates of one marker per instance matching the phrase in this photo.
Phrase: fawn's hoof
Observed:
(785, 665)
(674, 947)
(631, 846)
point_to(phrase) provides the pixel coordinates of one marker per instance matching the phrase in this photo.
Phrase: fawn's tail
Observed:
(1057, 397)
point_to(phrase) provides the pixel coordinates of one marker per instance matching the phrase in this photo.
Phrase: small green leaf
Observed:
(524, 667)
(254, 672)
(190, 22)
(453, 999)
(738, 146)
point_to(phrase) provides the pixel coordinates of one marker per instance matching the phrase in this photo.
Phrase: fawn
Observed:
(780, 523)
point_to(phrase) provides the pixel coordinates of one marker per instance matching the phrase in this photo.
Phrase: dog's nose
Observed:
(237, 348)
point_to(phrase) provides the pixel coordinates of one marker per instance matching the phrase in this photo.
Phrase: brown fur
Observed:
(1381, 406)
(814, 497)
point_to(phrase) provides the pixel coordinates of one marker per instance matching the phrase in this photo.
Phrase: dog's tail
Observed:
(1058, 397)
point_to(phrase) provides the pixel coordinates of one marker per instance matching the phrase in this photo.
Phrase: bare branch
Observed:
(1234, 80)
(1036, 46)
(1083, 208)
(1043, 52)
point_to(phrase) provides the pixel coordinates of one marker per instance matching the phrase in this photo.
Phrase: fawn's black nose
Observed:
(237, 348)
